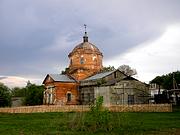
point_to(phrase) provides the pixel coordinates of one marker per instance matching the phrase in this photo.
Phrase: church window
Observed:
(115, 75)
(82, 60)
(130, 99)
(94, 57)
(82, 97)
(95, 61)
(71, 61)
(89, 97)
(69, 97)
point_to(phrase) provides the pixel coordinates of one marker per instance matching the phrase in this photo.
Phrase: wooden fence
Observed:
(142, 108)
(82, 108)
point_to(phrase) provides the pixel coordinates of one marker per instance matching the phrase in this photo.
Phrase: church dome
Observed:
(85, 60)
(87, 47)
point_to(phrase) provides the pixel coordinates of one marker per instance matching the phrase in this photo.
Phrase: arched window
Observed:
(71, 61)
(95, 61)
(68, 97)
(82, 60)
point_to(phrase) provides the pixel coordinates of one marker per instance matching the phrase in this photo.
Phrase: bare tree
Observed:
(126, 69)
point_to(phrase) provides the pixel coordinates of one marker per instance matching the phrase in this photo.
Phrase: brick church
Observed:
(85, 61)
(83, 82)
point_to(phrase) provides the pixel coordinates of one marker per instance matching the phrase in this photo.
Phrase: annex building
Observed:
(83, 81)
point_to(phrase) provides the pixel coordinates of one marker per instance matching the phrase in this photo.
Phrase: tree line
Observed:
(31, 94)
(168, 81)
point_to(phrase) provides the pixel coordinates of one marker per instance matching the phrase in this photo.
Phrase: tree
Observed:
(126, 69)
(28, 83)
(18, 92)
(171, 80)
(166, 81)
(159, 81)
(65, 71)
(34, 95)
(109, 68)
(5, 96)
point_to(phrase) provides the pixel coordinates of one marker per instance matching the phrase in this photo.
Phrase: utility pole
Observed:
(174, 83)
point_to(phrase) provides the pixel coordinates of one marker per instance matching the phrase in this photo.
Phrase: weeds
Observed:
(98, 119)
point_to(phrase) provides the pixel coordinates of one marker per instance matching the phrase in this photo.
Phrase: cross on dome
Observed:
(85, 37)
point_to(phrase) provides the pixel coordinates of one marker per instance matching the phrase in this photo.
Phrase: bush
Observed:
(5, 96)
(98, 119)
(18, 92)
(34, 95)
(101, 117)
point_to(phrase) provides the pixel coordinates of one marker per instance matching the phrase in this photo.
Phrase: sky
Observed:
(36, 36)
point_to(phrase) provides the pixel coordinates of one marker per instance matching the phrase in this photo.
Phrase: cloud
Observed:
(36, 36)
(15, 81)
(60, 43)
(153, 58)
(2, 77)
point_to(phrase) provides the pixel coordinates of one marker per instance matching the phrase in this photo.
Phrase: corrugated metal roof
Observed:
(61, 78)
(98, 76)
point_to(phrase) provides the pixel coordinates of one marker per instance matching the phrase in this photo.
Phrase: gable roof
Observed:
(104, 74)
(99, 76)
(60, 78)
(132, 78)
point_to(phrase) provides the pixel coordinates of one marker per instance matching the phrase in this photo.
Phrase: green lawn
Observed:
(81, 123)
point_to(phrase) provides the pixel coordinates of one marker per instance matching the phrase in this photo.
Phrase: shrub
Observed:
(34, 95)
(101, 117)
(98, 119)
(5, 96)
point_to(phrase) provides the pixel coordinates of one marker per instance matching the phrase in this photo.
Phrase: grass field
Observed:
(82, 124)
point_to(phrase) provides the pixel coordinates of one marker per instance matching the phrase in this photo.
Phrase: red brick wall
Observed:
(62, 89)
(80, 108)
(92, 64)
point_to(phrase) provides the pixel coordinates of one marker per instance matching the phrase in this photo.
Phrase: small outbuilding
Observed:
(115, 87)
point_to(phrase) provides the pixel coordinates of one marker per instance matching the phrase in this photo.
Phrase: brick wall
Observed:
(85, 61)
(82, 108)
(60, 91)
(142, 108)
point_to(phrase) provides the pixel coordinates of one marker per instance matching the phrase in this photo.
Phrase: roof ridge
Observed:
(99, 75)
(61, 78)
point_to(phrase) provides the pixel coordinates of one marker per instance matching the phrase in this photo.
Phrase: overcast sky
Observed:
(37, 35)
